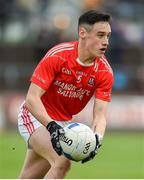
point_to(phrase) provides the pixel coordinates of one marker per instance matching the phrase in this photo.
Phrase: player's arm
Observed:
(99, 117)
(36, 107)
(102, 99)
(98, 125)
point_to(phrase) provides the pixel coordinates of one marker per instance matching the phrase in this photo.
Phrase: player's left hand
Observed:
(93, 153)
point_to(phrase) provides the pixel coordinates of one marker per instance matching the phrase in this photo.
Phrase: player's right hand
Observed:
(55, 131)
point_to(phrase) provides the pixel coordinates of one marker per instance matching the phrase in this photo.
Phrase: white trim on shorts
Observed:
(27, 123)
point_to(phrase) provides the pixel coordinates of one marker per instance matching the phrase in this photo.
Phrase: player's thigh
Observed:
(34, 166)
(41, 142)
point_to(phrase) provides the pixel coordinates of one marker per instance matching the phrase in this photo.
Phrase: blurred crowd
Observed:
(29, 28)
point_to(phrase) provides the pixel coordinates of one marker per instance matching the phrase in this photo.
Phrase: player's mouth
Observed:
(103, 50)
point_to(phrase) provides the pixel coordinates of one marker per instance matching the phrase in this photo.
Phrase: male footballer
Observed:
(62, 84)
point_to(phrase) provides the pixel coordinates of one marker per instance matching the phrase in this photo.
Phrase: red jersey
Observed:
(69, 84)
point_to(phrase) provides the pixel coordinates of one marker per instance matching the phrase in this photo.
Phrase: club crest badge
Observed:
(91, 81)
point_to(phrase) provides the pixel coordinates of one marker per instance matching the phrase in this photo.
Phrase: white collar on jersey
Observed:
(81, 63)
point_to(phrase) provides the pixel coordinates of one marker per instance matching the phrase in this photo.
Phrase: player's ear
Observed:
(82, 32)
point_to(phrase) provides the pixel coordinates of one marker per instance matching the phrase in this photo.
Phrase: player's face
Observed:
(97, 39)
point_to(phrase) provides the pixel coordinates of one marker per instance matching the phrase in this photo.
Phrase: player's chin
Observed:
(99, 55)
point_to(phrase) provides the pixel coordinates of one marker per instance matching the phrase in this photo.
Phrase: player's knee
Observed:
(66, 166)
(63, 167)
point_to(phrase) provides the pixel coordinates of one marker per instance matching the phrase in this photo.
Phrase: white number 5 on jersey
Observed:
(79, 78)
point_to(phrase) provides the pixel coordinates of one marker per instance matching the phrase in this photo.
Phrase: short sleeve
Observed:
(104, 88)
(46, 71)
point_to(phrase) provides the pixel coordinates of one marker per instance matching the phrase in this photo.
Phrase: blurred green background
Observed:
(28, 28)
(120, 157)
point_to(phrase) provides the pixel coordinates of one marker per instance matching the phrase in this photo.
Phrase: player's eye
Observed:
(100, 35)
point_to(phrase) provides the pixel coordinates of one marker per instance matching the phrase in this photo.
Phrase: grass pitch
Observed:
(120, 157)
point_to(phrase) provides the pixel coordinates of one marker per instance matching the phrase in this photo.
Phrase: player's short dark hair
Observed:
(91, 17)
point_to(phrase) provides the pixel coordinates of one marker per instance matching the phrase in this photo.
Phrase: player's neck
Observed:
(84, 55)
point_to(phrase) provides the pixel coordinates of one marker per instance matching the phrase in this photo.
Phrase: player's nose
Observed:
(105, 42)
